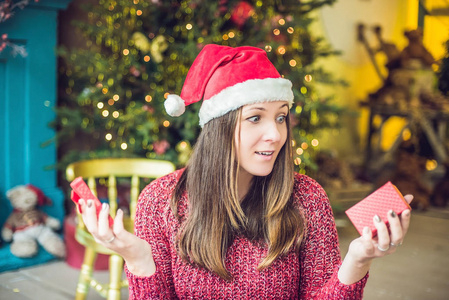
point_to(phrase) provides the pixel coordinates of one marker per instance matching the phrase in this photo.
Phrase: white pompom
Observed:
(174, 105)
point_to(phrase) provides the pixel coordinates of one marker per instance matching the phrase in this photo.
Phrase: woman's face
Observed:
(260, 135)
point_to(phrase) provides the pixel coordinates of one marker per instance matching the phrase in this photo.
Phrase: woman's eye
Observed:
(254, 119)
(281, 119)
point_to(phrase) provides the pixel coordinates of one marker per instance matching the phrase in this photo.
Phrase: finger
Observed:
(367, 241)
(90, 216)
(367, 234)
(104, 233)
(405, 220)
(396, 233)
(81, 204)
(383, 237)
(408, 198)
(118, 226)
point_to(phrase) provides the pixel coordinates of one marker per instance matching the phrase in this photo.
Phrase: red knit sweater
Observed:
(310, 275)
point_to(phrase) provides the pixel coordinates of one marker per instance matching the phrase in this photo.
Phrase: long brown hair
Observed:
(215, 213)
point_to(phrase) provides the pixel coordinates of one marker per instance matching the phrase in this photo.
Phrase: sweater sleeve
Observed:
(151, 225)
(320, 254)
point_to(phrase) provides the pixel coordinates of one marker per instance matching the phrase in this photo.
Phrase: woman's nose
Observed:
(272, 132)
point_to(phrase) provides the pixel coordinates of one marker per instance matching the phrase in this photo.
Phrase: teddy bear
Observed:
(415, 52)
(27, 226)
(411, 82)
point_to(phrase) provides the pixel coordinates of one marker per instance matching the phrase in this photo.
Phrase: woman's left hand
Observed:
(365, 248)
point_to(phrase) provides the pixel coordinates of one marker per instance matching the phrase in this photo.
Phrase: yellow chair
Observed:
(107, 171)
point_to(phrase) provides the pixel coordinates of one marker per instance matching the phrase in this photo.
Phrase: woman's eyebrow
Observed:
(255, 108)
(263, 108)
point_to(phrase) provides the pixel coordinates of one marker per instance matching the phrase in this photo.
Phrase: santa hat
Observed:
(227, 78)
(41, 198)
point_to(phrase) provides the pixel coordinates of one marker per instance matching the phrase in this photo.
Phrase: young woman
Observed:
(237, 222)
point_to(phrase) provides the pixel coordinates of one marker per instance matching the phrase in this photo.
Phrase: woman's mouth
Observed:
(265, 153)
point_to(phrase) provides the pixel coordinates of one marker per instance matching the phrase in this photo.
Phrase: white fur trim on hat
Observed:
(174, 105)
(247, 92)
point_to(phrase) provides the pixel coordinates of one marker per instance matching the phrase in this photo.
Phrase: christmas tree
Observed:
(139, 51)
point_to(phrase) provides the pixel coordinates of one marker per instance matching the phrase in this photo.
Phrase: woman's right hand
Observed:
(135, 251)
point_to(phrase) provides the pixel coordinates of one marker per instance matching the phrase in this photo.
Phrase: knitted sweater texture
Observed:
(311, 274)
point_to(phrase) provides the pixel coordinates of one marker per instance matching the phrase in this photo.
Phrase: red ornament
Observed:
(148, 109)
(160, 147)
(134, 71)
(241, 13)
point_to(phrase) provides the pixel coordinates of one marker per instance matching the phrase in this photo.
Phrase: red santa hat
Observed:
(41, 198)
(227, 78)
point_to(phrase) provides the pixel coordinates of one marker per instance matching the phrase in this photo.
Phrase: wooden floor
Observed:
(419, 270)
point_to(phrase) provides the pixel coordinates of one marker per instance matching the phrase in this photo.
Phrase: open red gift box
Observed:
(380, 202)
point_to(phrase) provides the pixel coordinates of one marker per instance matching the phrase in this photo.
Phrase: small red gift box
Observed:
(80, 190)
(380, 202)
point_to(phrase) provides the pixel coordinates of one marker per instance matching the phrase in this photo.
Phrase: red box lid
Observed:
(380, 202)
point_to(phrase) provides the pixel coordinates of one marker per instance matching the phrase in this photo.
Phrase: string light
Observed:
(281, 22)
(148, 98)
(314, 142)
(299, 151)
(308, 78)
(276, 31)
(268, 48)
(292, 63)
(105, 113)
(116, 97)
(166, 123)
(116, 114)
(298, 161)
(100, 105)
(108, 137)
(281, 50)
(406, 134)
(111, 102)
(290, 30)
(124, 146)
(125, 51)
(431, 164)
(146, 58)
(304, 145)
